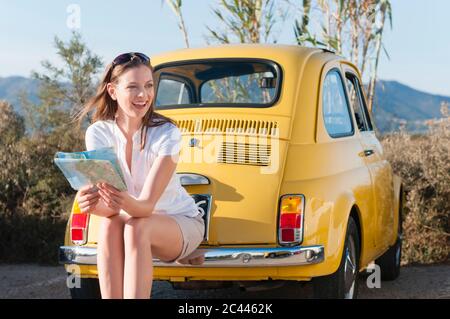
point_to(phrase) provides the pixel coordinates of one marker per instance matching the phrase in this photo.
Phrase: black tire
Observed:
(89, 289)
(335, 286)
(389, 262)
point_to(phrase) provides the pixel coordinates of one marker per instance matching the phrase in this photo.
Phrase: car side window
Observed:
(336, 113)
(358, 104)
(172, 92)
(355, 102)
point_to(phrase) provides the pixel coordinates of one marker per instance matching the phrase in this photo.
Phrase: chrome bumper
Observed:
(216, 257)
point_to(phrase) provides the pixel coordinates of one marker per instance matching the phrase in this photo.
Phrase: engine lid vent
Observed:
(230, 126)
(244, 153)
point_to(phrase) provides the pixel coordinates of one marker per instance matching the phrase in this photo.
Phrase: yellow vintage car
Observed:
(280, 153)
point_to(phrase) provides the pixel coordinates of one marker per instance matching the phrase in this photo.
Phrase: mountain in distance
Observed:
(395, 104)
(11, 86)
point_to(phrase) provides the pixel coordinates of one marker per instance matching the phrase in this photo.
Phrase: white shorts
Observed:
(193, 230)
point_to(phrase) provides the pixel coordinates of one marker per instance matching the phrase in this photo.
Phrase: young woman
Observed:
(155, 217)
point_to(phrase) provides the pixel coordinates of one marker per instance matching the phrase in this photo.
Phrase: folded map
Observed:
(91, 167)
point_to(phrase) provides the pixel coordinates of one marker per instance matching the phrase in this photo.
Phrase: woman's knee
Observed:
(138, 230)
(113, 224)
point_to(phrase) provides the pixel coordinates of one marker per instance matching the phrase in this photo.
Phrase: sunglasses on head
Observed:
(127, 57)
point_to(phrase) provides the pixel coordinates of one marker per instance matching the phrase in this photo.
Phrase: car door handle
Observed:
(368, 152)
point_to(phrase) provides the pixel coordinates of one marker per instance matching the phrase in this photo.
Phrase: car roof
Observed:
(279, 53)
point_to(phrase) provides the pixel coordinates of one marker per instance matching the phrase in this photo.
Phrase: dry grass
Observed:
(424, 165)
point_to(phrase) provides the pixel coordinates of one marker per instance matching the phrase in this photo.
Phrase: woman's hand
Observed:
(155, 183)
(88, 198)
(112, 197)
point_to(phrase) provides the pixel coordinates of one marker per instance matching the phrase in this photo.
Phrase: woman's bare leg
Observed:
(110, 256)
(157, 235)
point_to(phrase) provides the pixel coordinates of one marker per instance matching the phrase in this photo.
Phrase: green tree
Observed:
(63, 90)
(35, 198)
(245, 21)
(385, 10)
(12, 179)
(351, 28)
(12, 126)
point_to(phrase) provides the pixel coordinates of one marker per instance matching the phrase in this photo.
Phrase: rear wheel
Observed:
(343, 284)
(389, 262)
(89, 288)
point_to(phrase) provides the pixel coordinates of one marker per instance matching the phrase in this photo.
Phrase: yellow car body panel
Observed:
(332, 173)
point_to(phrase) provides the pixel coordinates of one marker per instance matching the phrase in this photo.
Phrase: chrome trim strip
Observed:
(217, 257)
(187, 179)
(78, 255)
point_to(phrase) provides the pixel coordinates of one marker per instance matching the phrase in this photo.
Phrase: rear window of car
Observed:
(224, 83)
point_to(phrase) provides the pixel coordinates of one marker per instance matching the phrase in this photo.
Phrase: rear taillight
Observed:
(78, 225)
(290, 224)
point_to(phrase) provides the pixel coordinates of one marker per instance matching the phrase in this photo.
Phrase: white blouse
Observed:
(161, 140)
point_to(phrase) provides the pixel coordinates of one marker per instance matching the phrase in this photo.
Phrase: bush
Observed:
(31, 238)
(424, 166)
(35, 198)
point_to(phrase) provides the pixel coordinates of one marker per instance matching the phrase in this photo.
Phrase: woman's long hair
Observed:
(105, 107)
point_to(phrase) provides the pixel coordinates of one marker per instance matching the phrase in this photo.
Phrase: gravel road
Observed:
(33, 281)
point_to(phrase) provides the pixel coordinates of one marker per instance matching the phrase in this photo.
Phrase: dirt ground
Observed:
(32, 281)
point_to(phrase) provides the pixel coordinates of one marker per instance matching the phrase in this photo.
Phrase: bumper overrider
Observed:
(216, 257)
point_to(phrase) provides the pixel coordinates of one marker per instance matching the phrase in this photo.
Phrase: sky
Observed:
(418, 44)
